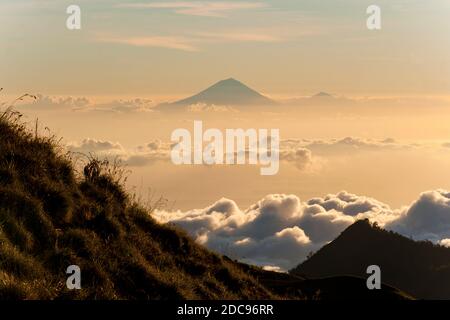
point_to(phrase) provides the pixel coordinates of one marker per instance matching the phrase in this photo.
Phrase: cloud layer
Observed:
(68, 103)
(142, 155)
(158, 150)
(280, 230)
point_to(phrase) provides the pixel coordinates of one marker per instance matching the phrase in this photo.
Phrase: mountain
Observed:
(322, 95)
(421, 269)
(321, 99)
(229, 92)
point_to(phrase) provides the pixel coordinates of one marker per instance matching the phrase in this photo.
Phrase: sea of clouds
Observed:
(279, 231)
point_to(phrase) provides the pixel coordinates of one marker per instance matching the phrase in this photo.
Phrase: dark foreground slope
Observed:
(419, 268)
(50, 219)
(327, 288)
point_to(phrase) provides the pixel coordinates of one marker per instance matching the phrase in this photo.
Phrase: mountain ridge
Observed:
(419, 268)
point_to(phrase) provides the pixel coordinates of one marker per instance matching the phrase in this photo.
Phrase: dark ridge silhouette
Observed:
(328, 288)
(322, 95)
(421, 269)
(229, 92)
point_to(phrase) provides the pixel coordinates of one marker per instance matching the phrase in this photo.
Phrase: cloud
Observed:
(445, 243)
(158, 150)
(203, 107)
(191, 42)
(347, 144)
(48, 102)
(239, 36)
(142, 155)
(280, 230)
(198, 8)
(96, 146)
(301, 157)
(179, 43)
(428, 218)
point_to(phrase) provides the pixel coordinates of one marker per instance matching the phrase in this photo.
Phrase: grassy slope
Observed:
(50, 219)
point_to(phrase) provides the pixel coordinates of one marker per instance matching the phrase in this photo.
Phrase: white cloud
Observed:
(428, 218)
(445, 243)
(280, 230)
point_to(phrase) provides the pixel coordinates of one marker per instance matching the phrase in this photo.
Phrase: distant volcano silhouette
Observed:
(229, 92)
(323, 95)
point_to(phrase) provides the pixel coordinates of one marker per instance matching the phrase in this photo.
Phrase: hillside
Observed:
(51, 218)
(419, 268)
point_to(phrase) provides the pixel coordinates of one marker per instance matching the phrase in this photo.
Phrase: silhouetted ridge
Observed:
(322, 95)
(419, 268)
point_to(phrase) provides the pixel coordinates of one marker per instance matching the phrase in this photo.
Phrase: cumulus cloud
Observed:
(142, 155)
(428, 218)
(280, 230)
(122, 106)
(445, 243)
(301, 157)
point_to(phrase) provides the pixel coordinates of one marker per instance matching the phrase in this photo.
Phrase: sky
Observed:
(378, 147)
(171, 48)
